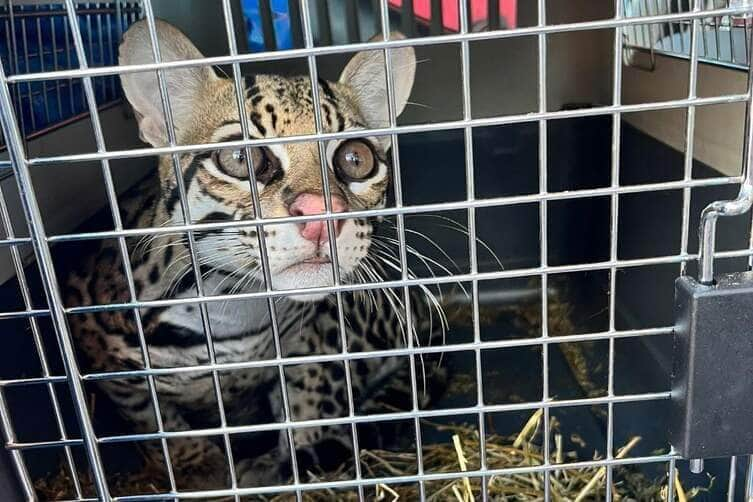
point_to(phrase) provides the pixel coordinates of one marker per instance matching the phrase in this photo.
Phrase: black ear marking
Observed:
(327, 90)
(256, 119)
(340, 122)
(252, 89)
(215, 217)
(327, 115)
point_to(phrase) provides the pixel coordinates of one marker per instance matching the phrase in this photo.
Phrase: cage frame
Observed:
(41, 243)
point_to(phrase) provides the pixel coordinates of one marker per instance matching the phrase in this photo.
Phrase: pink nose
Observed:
(307, 204)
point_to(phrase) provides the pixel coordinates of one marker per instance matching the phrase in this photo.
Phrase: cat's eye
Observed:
(233, 163)
(354, 160)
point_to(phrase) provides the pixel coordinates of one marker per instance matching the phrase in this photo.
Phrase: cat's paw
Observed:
(261, 471)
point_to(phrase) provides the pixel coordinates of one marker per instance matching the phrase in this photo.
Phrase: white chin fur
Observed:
(304, 276)
(308, 298)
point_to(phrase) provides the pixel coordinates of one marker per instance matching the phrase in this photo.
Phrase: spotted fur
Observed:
(204, 109)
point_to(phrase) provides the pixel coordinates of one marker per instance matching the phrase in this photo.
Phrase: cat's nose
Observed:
(308, 204)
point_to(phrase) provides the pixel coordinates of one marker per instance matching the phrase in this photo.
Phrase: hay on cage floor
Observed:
(59, 485)
(462, 453)
(459, 454)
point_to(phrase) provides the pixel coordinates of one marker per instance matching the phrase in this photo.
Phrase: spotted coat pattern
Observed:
(241, 330)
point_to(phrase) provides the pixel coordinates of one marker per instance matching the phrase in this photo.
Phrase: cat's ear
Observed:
(366, 77)
(184, 85)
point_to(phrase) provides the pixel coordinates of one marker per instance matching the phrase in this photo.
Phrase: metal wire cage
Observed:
(723, 39)
(79, 435)
(36, 38)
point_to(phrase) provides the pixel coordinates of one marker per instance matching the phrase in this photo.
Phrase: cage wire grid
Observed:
(61, 101)
(41, 243)
(718, 40)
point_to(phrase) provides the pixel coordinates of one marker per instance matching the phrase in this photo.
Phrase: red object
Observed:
(450, 15)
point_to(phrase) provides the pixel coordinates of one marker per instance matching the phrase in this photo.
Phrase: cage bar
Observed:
(16, 456)
(613, 238)
(749, 478)
(353, 356)
(382, 417)
(383, 131)
(40, 349)
(690, 131)
(52, 289)
(186, 211)
(112, 199)
(40, 55)
(324, 172)
(515, 273)
(732, 479)
(541, 81)
(321, 49)
(59, 85)
(396, 479)
(360, 355)
(472, 248)
(14, 63)
(402, 250)
(262, 242)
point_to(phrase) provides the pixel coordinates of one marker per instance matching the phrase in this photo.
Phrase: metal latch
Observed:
(712, 375)
(712, 380)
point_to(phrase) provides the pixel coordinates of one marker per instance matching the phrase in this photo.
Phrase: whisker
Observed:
(391, 261)
(412, 328)
(458, 227)
(433, 243)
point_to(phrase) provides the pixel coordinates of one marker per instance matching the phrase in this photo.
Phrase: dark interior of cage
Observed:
(578, 231)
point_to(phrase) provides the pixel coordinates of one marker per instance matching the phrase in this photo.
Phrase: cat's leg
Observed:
(312, 394)
(315, 392)
(196, 461)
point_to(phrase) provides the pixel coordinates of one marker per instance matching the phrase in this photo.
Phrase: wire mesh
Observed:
(692, 21)
(36, 37)
(724, 39)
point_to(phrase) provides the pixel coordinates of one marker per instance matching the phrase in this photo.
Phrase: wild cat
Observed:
(289, 182)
